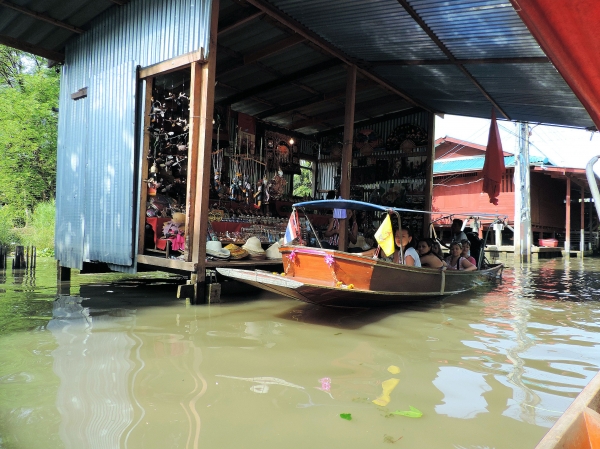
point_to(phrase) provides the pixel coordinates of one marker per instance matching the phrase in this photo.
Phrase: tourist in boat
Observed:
(428, 257)
(402, 238)
(456, 261)
(466, 251)
(333, 231)
(458, 234)
(436, 248)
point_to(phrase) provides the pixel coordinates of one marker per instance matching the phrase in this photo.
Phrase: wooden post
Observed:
(568, 219)
(206, 94)
(144, 158)
(347, 150)
(581, 224)
(429, 174)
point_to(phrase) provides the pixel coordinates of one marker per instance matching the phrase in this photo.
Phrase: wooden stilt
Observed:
(429, 171)
(568, 219)
(347, 151)
(581, 224)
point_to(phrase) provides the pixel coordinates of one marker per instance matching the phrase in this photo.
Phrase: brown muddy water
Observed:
(123, 364)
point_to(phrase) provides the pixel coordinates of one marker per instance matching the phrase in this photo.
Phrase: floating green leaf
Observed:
(346, 416)
(412, 413)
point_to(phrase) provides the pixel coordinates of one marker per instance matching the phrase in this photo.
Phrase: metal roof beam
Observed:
(402, 62)
(280, 81)
(271, 11)
(41, 16)
(30, 48)
(417, 18)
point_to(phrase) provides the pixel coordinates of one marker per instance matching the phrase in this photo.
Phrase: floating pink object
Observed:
(325, 383)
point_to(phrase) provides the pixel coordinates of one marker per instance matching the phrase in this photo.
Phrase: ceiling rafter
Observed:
(360, 108)
(417, 18)
(41, 16)
(273, 48)
(285, 79)
(30, 48)
(289, 107)
(226, 28)
(294, 25)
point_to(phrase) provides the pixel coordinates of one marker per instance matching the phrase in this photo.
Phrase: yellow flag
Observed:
(385, 236)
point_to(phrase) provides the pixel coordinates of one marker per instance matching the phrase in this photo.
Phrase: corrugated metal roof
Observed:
(475, 163)
(453, 57)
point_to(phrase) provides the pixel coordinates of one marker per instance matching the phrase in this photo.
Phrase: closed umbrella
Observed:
(493, 167)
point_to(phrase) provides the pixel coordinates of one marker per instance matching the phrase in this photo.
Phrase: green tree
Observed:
(303, 181)
(28, 132)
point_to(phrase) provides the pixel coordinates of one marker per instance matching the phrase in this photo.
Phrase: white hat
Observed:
(215, 249)
(253, 246)
(273, 251)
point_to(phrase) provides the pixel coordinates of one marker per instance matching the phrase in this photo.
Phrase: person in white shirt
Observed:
(457, 233)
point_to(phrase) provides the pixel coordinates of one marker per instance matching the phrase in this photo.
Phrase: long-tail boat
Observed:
(335, 278)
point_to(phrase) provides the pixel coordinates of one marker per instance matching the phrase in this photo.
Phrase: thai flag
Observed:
(293, 229)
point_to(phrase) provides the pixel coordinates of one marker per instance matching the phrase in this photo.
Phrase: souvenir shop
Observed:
(258, 171)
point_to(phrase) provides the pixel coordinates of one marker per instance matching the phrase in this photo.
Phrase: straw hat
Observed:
(255, 249)
(178, 217)
(273, 251)
(215, 249)
(236, 252)
(253, 246)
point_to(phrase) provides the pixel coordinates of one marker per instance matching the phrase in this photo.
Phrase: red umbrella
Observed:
(493, 167)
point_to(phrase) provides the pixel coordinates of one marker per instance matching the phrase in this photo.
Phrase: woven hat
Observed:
(236, 252)
(253, 246)
(215, 249)
(273, 251)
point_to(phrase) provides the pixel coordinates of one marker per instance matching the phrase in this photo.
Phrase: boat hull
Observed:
(334, 278)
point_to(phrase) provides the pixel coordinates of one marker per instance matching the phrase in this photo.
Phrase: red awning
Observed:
(567, 31)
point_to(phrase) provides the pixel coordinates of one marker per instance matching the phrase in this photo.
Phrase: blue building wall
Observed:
(98, 153)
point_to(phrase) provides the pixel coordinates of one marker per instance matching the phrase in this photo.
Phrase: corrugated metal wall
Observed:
(97, 164)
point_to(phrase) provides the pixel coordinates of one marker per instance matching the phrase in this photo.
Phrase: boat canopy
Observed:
(362, 205)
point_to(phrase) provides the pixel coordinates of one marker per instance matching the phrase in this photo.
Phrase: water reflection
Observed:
(125, 365)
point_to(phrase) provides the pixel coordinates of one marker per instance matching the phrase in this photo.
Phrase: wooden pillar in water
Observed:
(581, 224)
(346, 173)
(204, 87)
(568, 218)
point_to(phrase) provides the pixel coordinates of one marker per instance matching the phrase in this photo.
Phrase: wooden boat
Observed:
(579, 426)
(335, 278)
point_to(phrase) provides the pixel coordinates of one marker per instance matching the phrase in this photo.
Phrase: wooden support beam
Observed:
(226, 28)
(297, 27)
(144, 169)
(346, 174)
(360, 86)
(202, 187)
(280, 81)
(41, 16)
(477, 61)
(30, 48)
(173, 64)
(568, 218)
(582, 223)
(273, 48)
(429, 172)
(409, 9)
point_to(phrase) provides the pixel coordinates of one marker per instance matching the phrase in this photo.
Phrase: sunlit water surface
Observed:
(123, 364)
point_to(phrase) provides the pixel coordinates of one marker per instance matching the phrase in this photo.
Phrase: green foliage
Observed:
(28, 133)
(8, 236)
(39, 231)
(303, 181)
(412, 413)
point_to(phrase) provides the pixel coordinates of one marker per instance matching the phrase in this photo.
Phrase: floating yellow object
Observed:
(393, 369)
(388, 386)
